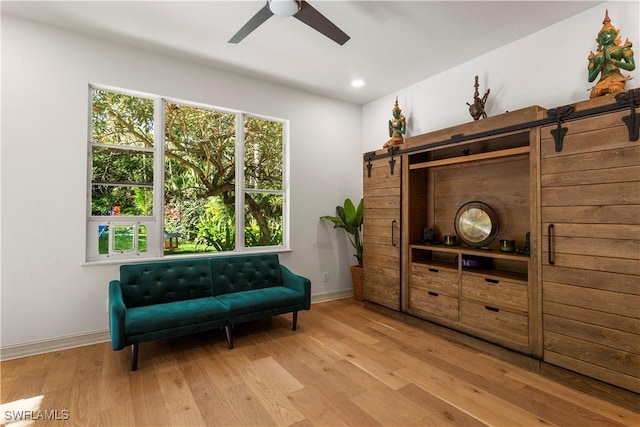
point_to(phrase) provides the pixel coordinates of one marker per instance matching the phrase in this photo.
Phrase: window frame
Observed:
(155, 222)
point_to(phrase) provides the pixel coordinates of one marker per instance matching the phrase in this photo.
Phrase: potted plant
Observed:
(349, 218)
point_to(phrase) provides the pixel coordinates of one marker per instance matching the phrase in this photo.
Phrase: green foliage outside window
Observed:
(199, 170)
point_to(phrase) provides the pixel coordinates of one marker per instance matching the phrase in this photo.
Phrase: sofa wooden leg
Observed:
(295, 320)
(227, 330)
(134, 357)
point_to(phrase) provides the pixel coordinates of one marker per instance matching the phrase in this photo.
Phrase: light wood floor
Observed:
(345, 365)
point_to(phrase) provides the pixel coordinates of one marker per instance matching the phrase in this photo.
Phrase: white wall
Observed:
(548, 68)
(47, 293)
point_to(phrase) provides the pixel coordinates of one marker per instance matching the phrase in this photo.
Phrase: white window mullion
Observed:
(89, 160)
(158, 179)
(285, 184)
(239, 182)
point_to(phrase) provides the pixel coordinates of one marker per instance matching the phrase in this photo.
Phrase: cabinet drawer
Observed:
(436, 279)
(495, 291)
(433, 303)
(506, 325)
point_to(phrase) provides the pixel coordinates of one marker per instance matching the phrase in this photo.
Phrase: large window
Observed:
(169, 177)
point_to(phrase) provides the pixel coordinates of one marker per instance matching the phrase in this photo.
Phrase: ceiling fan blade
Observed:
(257, 20)
(319, 22)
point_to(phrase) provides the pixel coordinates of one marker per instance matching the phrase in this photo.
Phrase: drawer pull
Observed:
(491, 308)
(494, 281)
(434, 270)
(434, 294)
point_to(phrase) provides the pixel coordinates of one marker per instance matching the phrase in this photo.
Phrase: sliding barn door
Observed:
(590, 201)
(381, 232)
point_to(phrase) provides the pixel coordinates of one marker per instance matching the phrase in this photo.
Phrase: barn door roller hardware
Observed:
(391, 151)
(392, 162)
(559, 114)
(367, 158)
(632, 97)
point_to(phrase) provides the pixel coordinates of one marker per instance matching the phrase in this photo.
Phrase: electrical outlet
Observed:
(325, 277)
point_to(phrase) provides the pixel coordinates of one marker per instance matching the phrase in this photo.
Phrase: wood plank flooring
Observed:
(346, 365)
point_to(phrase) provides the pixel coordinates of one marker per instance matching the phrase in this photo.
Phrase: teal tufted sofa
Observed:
(164, 299)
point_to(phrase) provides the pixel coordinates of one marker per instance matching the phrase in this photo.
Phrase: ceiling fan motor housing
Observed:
(284, 7)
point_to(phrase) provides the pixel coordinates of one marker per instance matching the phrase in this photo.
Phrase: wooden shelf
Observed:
(472, 157)
(488, 253)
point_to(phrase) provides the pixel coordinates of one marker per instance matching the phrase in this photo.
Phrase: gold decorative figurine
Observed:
(397, 127)
(608, 60)
(477, 108)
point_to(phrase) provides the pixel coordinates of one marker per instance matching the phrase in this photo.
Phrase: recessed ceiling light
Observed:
(357, 83)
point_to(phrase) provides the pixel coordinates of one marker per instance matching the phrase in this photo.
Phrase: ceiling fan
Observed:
(299, 9)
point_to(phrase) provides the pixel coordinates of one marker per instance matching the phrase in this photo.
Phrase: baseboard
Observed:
(333, 295)
(55, 344)
(79, 340)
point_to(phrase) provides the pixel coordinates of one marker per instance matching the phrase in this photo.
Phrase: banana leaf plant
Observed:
(349, 218)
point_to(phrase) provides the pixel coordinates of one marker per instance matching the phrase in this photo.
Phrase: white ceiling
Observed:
(393, 43)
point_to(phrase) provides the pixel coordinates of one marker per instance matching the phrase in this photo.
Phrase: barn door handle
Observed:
(550, 243)
(393, 232)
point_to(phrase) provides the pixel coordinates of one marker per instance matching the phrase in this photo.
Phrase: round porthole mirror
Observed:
(476, 224)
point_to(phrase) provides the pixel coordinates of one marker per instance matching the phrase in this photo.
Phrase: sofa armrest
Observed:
(117, 313)
(298, 283)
